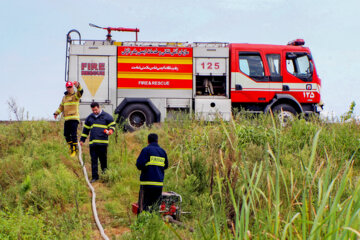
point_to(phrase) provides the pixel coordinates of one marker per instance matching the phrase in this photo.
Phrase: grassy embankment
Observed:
(245, 179)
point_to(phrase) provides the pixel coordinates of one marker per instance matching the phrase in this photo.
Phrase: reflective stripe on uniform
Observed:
(72, 117)
(86, 126)
(98, 141)
(71, 103)
(151, 183)
(84, 135)
(156, 161)
(77, 97)
(112, 125)
(99, 126)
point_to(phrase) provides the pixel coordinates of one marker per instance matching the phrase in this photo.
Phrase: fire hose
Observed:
(93, 204)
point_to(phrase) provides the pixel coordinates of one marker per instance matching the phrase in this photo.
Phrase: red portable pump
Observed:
(170, 205)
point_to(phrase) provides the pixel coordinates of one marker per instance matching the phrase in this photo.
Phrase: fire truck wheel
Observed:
(284, 112)
(137, 116)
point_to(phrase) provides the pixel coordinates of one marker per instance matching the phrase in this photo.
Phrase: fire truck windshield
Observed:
(299, 65)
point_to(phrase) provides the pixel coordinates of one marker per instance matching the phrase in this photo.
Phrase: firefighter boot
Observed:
(76, 147)
(73, 150)
(70, 146)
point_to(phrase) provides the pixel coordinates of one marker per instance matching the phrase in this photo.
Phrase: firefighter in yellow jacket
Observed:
(69, 106)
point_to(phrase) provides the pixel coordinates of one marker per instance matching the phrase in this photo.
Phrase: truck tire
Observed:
(284, 112)
(137, 116)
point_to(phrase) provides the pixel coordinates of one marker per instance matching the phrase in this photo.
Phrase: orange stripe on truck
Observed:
(161, 52)
(155, 68)
(155, 60)
(154, 83)
(186, 76)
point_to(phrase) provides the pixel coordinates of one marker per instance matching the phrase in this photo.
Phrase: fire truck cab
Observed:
(274, 77)
(145, 82)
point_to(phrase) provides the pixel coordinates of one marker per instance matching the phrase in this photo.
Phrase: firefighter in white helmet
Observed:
(69, 106)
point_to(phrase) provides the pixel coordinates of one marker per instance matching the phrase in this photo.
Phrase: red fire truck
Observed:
(145, 82)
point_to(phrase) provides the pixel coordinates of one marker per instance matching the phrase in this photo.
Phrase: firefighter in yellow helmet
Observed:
(69, 106)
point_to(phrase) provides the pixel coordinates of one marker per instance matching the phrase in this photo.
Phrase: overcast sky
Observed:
(33, 34)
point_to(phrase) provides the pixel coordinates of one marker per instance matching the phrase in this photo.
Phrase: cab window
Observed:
(274, 64)
(251, 65)
(299, 65)
(273, 61)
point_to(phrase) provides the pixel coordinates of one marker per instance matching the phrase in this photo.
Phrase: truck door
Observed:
(211, 81)
(298, 75)
(250, 82)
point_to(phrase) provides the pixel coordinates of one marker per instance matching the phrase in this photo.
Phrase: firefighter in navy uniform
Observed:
(100, 125)
(152, 162)
(69, 106)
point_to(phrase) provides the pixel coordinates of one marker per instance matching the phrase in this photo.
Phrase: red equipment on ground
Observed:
(170, 205)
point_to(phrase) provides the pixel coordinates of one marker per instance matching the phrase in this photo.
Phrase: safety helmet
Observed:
(69, 84)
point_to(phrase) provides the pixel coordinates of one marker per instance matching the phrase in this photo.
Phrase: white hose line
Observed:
(98, 224)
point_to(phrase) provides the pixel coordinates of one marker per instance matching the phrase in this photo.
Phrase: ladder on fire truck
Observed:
(67, 53)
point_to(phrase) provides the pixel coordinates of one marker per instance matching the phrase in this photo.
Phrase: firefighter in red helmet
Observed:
(69, 106)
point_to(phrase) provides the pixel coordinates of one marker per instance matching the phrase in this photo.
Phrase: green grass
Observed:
(249, 178)
(40, 194)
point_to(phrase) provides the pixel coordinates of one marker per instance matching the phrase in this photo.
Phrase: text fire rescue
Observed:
(92, 68)
(154, 83)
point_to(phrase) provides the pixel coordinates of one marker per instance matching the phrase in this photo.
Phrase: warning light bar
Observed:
(297, 42)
